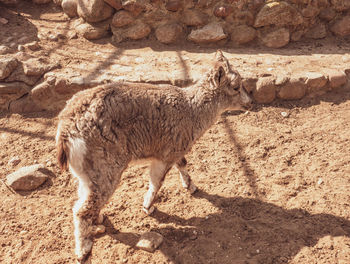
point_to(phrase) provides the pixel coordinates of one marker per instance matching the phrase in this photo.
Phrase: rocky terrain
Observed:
(273, 182)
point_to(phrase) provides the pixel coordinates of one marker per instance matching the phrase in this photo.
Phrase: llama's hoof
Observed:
(148, 211)
(192, 189)
(98, 229)
(83, 252)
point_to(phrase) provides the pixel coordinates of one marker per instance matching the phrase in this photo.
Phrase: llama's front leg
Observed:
(85, 218)
(158, 171)
(185, 177)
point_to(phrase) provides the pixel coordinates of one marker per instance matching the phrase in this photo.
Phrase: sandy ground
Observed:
(271, 189)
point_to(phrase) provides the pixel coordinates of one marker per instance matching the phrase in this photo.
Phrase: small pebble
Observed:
(14, 161)
(284, 114)
(320, 181)
(20, 48)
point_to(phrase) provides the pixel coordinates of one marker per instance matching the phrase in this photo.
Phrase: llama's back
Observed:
(140, 120)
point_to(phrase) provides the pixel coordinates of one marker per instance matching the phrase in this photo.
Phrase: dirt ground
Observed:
(272, 189)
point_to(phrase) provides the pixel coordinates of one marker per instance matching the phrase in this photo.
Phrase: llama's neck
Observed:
(206, 104)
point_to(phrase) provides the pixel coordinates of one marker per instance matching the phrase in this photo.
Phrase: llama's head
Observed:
(229, 82)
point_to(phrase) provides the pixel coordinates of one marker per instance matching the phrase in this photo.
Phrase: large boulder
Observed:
(210, 33)
(93, 31)
(265, 91)
(243, 34)
(70, 7)
(278, 13)
(122, 18)
(293, 89)
(276, 38)
(168, 33)
(94, 10)
(341, 5)
(342, 27)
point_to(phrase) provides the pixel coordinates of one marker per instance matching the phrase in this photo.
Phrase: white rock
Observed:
(14, 161)
(150, 241)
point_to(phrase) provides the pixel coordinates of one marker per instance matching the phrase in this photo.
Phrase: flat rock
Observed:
(7, 66)
(275, 39)
(168, 33)
(93, 31)
(315, 80)
(293, 89)
(265, 91)
(70, 7)
(279, 14)
(10, 92)
(336, 78)
(27, 178)
(243, 34)
(94, 10)
(342, 27)
(150, 241)
(210, 33)
(36, 67)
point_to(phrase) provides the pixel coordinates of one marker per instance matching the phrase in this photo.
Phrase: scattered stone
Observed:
(150, 241)
(93, 31)
(284, 114)
(275, 39)
(34, 46)
(318, 31)
(122, 18)
(27, 178)
(72, 34)
(278, 13)
(43, 91)
(137, 31)
(281, 79)
(327, 14)
(173, 5)
(4, 50)
(336, 78)
(70, 7)
(194, 18)
(212, 32)
(315, 81)
(3, 21)
(94, 10)
(134, 7)
(342, 27)
(320, 181)
(52, 37)
(7, 66)
(14, 161)
(116, 4)
(168, 33)
(294, 89)
(243, 34)
(265, 91)
(223, 11)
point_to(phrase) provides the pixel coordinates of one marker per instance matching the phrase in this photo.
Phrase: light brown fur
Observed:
(104, 128)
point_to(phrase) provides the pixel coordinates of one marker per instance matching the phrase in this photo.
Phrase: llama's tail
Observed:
(62, 151)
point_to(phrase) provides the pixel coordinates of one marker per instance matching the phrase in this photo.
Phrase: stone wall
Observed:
(29, 84)
(238, 22)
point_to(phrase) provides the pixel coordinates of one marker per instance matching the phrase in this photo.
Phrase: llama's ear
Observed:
(219, 56)
(220, 76)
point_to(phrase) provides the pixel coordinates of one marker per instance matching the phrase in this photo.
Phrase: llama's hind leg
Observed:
(185, 177)
(158, 171)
